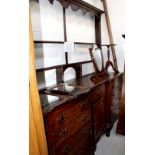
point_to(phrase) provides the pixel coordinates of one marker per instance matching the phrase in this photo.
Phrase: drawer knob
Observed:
(63, 132)
(62, 118)
(67, 149)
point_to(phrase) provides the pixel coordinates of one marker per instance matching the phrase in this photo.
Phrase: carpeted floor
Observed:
(113, 145)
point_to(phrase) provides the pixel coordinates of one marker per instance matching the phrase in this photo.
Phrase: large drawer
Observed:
(67, 113)
(60, 133)
(78, 144)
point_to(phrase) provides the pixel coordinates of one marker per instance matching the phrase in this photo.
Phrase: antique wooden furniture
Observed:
(93, 11)
(113, 99)
(79, 117)
(86, 107)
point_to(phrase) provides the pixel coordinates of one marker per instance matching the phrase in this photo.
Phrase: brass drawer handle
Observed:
(63, 132)
(83, 104)
(67, 149)
(62, 118)
(84, 118)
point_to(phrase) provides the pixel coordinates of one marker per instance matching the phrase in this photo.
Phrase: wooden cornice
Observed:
(82, 5)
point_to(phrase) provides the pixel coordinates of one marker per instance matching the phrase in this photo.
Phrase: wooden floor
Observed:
(113, 145)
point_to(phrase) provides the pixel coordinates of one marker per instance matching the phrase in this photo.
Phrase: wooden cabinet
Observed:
(99, 121)
(121, 120)
(67, 125)
(113, 94)
(73, 127)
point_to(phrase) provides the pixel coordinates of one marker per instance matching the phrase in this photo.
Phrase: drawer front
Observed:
(78, 144)
(67, 113)
(84, 147)
(98, 93)
(60, 133)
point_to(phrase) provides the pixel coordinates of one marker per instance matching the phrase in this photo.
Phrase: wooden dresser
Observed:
(75, 122)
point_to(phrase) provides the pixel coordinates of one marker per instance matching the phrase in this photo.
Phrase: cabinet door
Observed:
(113, 93)
(116, 94)
(99, 119)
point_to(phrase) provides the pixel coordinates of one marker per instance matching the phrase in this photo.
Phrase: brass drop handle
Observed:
(84, 104)
(63, 132)
(84, 118)
(62, 118)
(67, 149)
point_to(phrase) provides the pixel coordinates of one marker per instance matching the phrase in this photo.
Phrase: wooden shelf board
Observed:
(59, 66)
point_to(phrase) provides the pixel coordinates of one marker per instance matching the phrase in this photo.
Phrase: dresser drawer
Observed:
(67, 113)
(60, 133)
(98, 92)
(84, 147)
(78, 144)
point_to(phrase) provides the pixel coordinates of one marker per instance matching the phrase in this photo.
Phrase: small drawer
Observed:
(98, 92)
(83, 147)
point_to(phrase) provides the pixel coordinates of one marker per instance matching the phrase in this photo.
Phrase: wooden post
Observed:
(37, 131)
(98, 39)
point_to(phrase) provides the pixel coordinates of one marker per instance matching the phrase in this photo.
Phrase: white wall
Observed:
(47, 22)
(117, 19)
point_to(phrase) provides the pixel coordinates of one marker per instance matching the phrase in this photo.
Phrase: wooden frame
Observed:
(83, 6)
(38, 144)
(86, 7)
